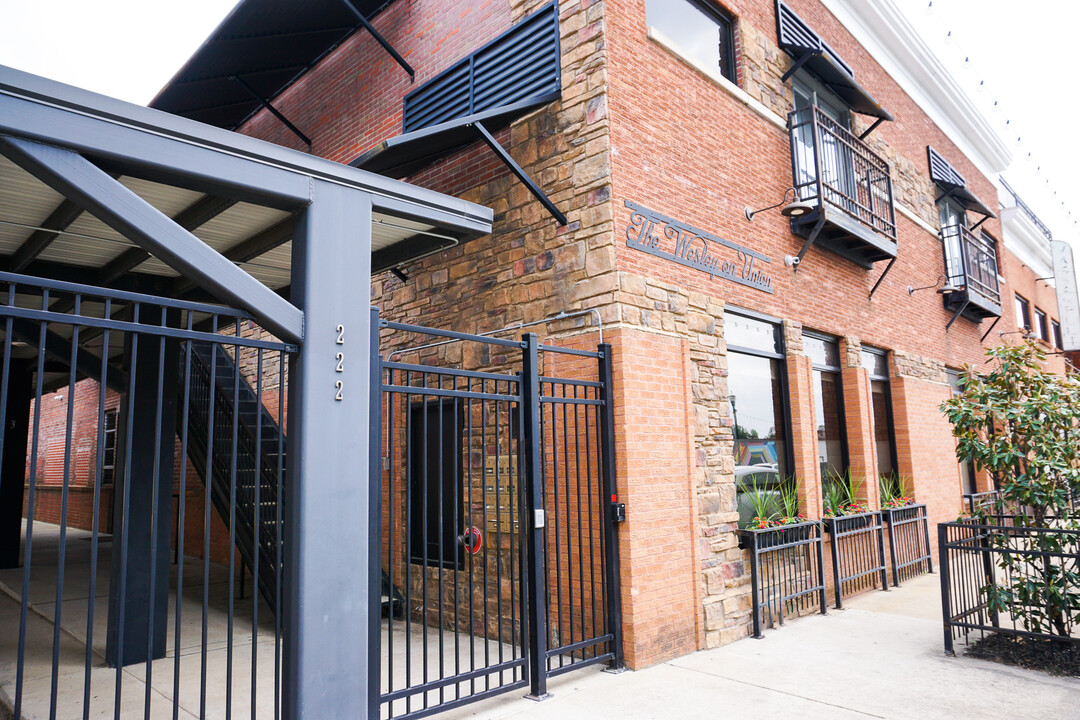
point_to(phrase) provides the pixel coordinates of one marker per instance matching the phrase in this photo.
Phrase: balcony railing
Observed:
(834, 167)
(971, 262)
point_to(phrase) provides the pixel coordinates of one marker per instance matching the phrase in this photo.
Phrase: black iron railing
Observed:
(909, 541)
(971, 262)
(1028, 211)
(833, 166)
(1023, 569)
(858, 554)
(786, 572)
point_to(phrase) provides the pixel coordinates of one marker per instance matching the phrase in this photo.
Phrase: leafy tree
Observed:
(1021, 424)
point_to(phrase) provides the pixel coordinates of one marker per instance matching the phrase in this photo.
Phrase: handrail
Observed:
(841, 170)
(978, 265)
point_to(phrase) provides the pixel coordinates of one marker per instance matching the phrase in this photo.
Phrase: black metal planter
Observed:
(786, 571)
(909, 541)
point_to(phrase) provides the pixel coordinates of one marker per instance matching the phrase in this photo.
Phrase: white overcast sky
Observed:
(1021, 56)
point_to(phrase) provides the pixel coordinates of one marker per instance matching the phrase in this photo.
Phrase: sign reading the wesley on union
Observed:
(659, 235)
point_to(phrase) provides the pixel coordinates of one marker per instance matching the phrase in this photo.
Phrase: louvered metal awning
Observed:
(808, 50)
(953, 183)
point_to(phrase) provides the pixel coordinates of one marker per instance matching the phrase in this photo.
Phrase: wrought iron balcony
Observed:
(850, 185)
(971, 265)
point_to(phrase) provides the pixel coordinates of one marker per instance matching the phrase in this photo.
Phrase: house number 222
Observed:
(339, 385)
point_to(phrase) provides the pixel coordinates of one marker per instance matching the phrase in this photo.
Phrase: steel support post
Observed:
(374, 549)
(613, 577)
(327, 508)
(946, 605)
(142, 501)
(19, 386)
(536, 581)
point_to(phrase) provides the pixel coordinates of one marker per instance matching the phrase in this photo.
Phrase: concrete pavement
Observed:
(882, 657)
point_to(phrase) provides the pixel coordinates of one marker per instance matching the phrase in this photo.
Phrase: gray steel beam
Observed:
(57, 348)
(77, 178)
(156, 156)
(327, 504)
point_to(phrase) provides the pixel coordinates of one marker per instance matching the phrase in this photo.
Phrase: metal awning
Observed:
(406, 154)
(808, 50)
(954, 184)
(268, 44)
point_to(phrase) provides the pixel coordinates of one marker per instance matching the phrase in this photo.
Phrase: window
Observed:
(758, 397)
(953, 218)
(1058, 343)
(1042, 326)
(108, 454)
(436, 510)
(967, 470)
(837, 170)
(828, 405)
(877, 366)
(1023, 313)
(705, 32)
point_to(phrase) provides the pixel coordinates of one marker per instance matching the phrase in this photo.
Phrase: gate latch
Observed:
(618, 512)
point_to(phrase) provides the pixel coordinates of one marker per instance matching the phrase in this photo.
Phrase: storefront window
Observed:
(877, 366)
(758, 397)
(828, 405)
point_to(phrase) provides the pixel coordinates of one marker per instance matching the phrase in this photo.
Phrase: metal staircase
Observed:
(251, 438)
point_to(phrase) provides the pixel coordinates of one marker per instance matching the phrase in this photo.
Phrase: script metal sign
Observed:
(659, 235)
(1067, 298)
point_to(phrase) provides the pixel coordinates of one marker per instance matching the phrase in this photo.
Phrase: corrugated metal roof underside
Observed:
(268, 43)
(87, 243)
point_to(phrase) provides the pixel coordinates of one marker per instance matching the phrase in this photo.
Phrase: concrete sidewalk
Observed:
(881, 657)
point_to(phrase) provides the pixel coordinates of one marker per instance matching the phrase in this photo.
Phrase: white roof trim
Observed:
(890, 38)
(1026, 241)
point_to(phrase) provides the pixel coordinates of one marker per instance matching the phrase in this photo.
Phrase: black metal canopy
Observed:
(808, 50)
(953, 183)
(269, 44)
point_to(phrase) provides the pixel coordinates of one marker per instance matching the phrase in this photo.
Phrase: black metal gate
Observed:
(152, 469)
(498, 516)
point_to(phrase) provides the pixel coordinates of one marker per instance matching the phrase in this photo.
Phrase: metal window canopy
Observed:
(269, 45)
(513, 75)
(954, 185)
(809, 51)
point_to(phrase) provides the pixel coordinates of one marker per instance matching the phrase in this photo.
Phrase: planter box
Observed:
(846, 523)
(907, 513)
(777, 536)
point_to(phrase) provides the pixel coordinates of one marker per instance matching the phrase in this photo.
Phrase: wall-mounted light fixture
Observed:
(795, 208)
(946, 287)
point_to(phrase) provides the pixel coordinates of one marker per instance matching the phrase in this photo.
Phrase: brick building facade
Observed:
(646, 145)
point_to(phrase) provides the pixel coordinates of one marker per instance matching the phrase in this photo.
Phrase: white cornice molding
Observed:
(890, 38)
(1026, 241)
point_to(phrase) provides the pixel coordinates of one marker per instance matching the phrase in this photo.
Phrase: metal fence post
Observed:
(926, 535)
(821, 568)
(374, 550)
(613, 577)
(892, 546)
(946, 605)
(881, 552)
(755, 582)
(834, 548)
(536, 585)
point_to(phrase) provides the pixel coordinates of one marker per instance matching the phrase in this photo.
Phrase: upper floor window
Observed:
(953, 221)
(1042, 325)
(1023, 313)
(1058, 343)
(703, 31)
